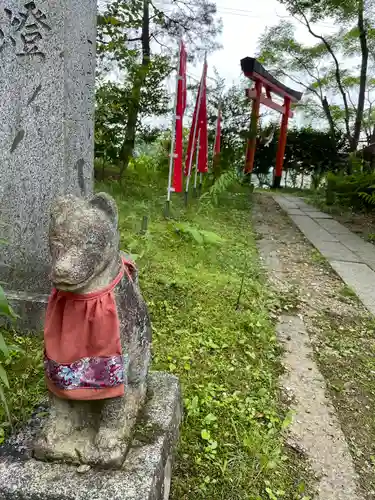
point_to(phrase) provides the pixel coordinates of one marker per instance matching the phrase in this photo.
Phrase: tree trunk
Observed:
(363, 76)
(133, 111)
(337, 75)
(103, 166)
(328, 114)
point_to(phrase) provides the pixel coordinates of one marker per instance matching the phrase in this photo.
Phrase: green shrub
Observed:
(354, 191)
(330, 190)
(6, 312)
(369, 198)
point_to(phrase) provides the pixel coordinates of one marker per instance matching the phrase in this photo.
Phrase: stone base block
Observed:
(31, 310)
(146, 474)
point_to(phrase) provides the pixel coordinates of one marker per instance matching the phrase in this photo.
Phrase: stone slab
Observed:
(314, 214)
(289, 197)
(284, 202)
(306, 208)
(360, 278)
(302, 204)
(334, 250)
(146, 474)
(365, 250)
(311, 229)
(334, 227)
(355, 243)
(31, 310)
(369, 260)
(47, 87)
(294, 211)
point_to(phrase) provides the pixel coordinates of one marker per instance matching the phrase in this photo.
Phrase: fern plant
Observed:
(369, 199)
(197, 235)
(221, 185)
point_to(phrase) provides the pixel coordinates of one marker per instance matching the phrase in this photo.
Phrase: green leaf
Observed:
(213, 445)
(209, 418)
(4, 377)
(206, 435)
(197, 237)
(3, 346)
(287, 421)
(210, 237)
(5, 308)
(15, 348)
(42, 414)
(3, 399)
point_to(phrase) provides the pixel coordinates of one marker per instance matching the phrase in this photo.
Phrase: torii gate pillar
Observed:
(262, 79)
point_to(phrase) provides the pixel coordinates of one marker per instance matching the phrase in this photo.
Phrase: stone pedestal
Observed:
(146, 474)
(47, 77)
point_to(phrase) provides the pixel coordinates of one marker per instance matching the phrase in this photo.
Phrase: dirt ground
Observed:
(340, 336)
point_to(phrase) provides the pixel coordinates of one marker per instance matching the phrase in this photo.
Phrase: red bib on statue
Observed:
(83, 353)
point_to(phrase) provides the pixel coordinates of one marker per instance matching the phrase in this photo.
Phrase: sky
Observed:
(244, 22)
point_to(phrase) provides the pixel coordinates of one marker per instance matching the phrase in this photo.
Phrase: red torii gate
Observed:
(261, 78)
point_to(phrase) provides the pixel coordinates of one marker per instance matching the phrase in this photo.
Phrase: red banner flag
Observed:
(202, 126)
(180, 109)
(198, 117)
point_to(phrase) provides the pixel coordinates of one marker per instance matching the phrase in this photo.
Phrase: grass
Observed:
(228, 360)
(227, 357)
(318, 258)
(348, 294)
(24, 368)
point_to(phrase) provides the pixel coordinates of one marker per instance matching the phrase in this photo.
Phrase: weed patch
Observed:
(24, 367)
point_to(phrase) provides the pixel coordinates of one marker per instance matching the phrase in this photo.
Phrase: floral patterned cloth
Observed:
(90, 373)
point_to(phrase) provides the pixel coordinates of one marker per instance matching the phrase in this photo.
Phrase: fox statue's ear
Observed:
(107, 204)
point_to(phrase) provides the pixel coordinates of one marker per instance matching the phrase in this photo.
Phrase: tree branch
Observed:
(171, 19)
(337, 74)
(351, 102)
(162, 44)
(323, 101)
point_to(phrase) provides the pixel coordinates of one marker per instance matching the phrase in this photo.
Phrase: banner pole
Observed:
(200, 184)
(173, 138)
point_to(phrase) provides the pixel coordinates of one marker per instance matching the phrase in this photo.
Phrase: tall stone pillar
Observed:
(47, 76)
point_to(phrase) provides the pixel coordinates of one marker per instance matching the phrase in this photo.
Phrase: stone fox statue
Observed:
(97, 338)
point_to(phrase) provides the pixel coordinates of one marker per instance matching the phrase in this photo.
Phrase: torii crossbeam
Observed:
(264, 80)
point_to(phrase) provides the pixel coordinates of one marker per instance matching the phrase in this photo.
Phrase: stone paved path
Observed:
(320, 430)
(352, 258)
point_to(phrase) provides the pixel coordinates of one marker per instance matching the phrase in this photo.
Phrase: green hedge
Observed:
(347, 190)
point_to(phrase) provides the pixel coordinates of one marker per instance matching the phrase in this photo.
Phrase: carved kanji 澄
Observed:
(25, 30)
